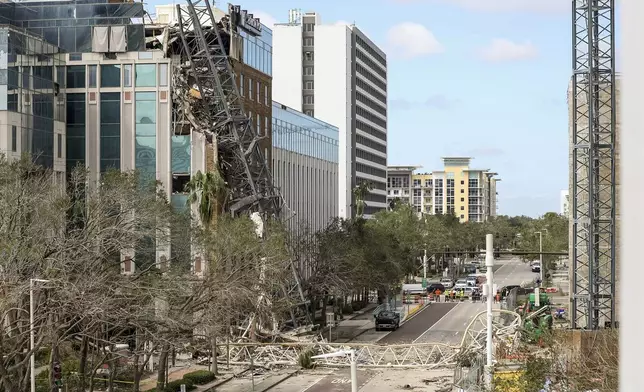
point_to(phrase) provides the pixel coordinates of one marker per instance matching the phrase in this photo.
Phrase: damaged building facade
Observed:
(98, 90)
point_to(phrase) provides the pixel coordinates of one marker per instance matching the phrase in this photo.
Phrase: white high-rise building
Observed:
(335, 73)
(564, 208)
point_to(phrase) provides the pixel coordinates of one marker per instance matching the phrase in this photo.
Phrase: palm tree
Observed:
(208, 190)
(360, 193)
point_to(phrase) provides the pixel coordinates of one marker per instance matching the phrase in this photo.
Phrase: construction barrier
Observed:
(552, 289)
(413, 311)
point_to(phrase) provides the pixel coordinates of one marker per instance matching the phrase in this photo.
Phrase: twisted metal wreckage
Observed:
(207, 103)
(206, 100)
(463, 357)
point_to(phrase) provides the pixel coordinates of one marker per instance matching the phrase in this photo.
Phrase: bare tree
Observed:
(73, 242)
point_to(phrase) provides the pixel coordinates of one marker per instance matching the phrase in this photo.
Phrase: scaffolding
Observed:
(593, 165)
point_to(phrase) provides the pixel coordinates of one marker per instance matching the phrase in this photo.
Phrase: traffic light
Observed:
(57, 374)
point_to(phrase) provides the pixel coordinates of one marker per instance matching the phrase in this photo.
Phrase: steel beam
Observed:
(593, 164)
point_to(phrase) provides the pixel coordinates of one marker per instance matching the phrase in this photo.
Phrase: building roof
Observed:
(404, 168)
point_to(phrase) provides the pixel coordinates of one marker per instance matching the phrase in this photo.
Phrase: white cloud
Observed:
(265, 18)
(531, 6)
(502, 50)
(408, 40)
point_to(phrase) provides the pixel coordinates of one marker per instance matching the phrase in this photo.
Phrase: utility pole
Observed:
(489, 263)
(425, 268)
(32, 332)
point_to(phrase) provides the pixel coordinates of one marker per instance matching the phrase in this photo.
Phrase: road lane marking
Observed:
(436, 323)
(314, 384)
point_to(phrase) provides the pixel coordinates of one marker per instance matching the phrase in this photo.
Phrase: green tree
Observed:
(208, 192)
(360, 193)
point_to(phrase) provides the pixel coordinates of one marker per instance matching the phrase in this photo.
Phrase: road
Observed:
(418, 324)
(437, 323)
(449, 329)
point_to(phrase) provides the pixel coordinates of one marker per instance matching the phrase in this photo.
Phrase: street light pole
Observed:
(489, 264)
(32, 332)
(354, 371)
(353, 361)
(425, 265)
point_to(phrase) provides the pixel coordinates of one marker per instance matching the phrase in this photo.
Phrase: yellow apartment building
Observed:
(469, 194)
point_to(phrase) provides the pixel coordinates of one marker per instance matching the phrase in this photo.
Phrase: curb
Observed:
(356, 335)
(420, 309)
(218, 383)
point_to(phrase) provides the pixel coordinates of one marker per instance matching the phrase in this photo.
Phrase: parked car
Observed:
(387, 320)
(447, 282)
(471, 280)
(460, 284)
(536, 267)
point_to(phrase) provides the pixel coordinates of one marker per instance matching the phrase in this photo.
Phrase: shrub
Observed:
(305, 360)
(200, 377)
(175, 386)
(347, 309)
(42, 356)
(357, 305)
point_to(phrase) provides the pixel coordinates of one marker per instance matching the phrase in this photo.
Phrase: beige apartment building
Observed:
(467, 193)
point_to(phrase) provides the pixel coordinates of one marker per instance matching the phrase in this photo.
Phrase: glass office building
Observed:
(258, 51)
(32, 98)
(305, 167)
(69, 24)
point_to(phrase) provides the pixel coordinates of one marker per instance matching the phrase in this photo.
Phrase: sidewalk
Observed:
(176, 373)
(352, 326)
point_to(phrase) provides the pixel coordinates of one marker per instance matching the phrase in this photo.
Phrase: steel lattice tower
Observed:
(593, 164)
(226, 122)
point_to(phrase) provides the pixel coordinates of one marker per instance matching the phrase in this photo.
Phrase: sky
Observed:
(479, 78)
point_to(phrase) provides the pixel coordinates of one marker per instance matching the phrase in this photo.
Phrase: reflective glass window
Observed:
(181, 154)
(91, 77)
(145, 75)
(163, 75)
(145, 135)
(76, 76)
(43, 77)
(127, 75)
(111, 75)
(75, 135)
(110, 131)
(14, 138)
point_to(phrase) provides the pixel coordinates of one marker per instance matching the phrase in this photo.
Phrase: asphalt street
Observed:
(449, 329)
(418, 324)
(340, 381)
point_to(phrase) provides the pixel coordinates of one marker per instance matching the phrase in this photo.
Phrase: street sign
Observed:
(330, 319)
(424, 283)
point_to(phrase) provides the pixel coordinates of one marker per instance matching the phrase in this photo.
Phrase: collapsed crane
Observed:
(205, 96)
(222, 118)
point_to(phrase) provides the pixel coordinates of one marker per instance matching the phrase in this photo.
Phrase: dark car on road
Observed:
(387, 320)
(505, 291)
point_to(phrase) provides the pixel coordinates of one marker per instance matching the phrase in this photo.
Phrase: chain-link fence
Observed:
(469, 372)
